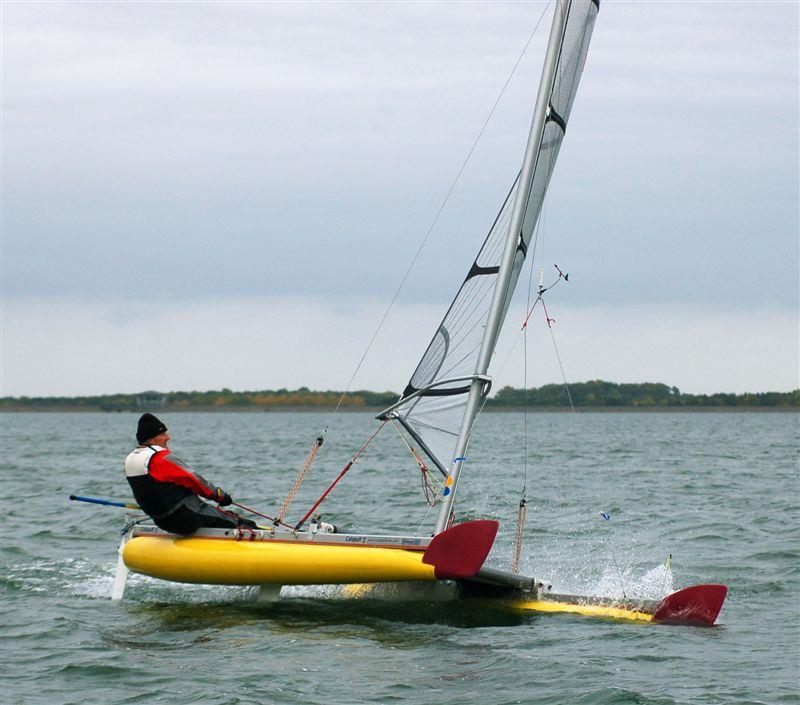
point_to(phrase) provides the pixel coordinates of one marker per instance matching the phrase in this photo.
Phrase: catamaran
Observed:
(435, 415)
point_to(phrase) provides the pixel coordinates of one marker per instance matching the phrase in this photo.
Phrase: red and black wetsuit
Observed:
(169, 491)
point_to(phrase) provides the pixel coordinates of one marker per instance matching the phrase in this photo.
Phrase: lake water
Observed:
(717, 491)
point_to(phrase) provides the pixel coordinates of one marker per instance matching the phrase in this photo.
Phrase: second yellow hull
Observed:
(605, 611)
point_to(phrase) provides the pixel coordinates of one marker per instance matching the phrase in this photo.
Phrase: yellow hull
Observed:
(224, 562)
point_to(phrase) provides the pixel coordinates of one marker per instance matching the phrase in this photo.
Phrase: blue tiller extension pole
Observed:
(106, 502)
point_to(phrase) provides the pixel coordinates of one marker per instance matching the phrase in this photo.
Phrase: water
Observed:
(718, 491)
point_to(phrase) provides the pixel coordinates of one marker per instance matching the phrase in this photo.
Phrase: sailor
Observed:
(169, 491)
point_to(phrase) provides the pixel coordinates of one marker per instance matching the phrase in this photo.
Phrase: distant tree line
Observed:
(204, 401)
(596, 393)
(599, 393)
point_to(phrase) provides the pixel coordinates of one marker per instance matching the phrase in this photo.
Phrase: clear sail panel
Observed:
(433, 404)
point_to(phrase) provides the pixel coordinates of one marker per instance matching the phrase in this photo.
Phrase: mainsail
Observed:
(439, 404)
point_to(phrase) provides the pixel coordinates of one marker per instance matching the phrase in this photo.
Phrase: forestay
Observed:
(432, 406)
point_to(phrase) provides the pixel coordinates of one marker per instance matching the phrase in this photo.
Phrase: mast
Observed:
(505, 280)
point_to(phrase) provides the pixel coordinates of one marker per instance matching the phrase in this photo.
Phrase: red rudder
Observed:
(459, 552)
(699, 605)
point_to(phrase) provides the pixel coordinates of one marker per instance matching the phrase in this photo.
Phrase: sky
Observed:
(208, 195)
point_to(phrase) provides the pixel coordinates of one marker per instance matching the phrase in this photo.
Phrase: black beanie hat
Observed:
(149, 427)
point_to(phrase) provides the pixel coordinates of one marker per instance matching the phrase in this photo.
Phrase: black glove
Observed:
(222, 498)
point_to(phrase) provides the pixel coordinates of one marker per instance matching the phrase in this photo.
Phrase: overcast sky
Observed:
(207, 195)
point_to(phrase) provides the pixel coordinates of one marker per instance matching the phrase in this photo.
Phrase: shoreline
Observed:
(376, 410)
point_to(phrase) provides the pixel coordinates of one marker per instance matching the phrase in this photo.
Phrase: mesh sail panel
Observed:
(434, 415)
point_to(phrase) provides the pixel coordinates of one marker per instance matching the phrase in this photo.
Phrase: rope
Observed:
(561, 367)
(523, 511)
(612, 556)
(430, 491)
(440, 210)
(549, 321)
(258, 514)
(301, 476)
(523, 502)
